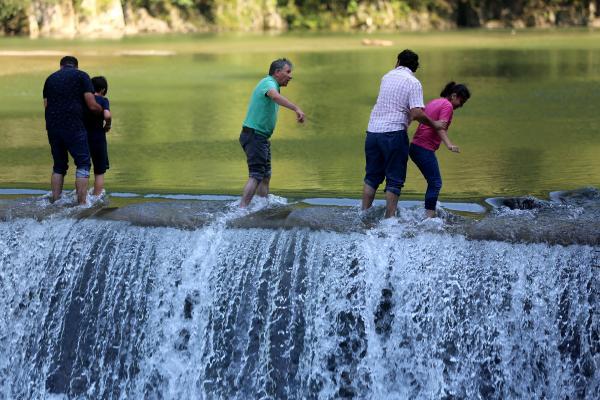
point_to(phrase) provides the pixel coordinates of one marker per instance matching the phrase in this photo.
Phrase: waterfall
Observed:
(95, 308)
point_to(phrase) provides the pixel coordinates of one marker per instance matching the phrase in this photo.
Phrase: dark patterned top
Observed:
(64, 91)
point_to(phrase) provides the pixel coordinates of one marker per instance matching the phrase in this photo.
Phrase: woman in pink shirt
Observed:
(427, 140)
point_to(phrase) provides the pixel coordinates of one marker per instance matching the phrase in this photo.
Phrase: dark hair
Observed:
(69, 61)
(408, 58)
(459, 89)
(279, 64)
(99, 83)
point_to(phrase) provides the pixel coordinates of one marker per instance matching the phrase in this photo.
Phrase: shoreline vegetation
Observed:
(119, 18)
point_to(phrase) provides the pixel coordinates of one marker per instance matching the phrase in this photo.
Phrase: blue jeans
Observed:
(428, 164)
(387, 155)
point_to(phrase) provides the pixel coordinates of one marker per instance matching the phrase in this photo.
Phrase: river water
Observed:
(179, 102)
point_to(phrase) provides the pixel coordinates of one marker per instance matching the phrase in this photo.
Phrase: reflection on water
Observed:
(529, 127)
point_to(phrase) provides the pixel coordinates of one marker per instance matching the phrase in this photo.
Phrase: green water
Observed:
(532, 124)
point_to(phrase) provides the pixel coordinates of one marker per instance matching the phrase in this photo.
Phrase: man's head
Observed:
(100, 85)
(69, 61)
(409, 59)
(281, 70)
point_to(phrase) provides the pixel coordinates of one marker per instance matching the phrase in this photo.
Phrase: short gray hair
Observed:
(278, 64)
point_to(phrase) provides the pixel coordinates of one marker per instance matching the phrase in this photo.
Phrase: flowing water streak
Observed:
(103, 309)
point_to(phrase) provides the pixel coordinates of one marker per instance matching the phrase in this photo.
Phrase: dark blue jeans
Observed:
(387, 155)
(428, 164)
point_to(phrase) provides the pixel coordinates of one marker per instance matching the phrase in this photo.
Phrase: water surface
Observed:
(530, 127)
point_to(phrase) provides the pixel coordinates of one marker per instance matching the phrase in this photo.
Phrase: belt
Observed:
(394, 132)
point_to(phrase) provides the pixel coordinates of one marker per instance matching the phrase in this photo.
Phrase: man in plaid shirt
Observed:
(399, 102)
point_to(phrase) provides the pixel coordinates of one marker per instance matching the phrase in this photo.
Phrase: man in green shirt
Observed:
(259, 125)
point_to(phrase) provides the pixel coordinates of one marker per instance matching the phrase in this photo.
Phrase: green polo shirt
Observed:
(262, 111)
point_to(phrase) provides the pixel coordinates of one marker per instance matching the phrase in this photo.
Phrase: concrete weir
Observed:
(568, 218)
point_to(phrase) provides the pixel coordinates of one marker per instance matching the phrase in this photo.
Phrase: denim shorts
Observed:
(76, 143)
(258, 153)
(386, 154)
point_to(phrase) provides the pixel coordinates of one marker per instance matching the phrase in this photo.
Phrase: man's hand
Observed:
(299, 115)
(418, 114)
(439, 125)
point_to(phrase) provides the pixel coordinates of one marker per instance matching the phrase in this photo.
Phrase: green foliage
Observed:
(13, 16)
(341, 14)
(10, 8)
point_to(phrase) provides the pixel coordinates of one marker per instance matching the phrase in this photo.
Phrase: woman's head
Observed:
(456, 93)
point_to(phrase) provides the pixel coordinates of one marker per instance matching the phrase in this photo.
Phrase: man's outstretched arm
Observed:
(282, 101)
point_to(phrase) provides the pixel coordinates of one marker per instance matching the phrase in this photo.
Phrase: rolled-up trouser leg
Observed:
(82, 172)
(77, 143)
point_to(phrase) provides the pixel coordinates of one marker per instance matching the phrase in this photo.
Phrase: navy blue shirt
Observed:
(94, 123)
(64, 91)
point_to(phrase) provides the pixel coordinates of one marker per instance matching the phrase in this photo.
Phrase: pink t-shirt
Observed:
(427, 137)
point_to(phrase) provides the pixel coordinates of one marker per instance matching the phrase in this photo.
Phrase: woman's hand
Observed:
(453, 148)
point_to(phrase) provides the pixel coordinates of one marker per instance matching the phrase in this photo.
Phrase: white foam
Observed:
(205, 197)
(260, 295)
(124, 195)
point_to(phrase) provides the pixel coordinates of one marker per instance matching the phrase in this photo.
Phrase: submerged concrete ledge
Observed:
(569, 218)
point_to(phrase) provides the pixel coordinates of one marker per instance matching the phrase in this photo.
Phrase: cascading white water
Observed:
(104, 309)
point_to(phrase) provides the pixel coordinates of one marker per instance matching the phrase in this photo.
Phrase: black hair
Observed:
(279, 64)
(69, 61)
(408, 58)
(99, 83)
(459, 89)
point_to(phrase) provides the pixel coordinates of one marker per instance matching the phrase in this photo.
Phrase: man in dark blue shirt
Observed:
(67, 93)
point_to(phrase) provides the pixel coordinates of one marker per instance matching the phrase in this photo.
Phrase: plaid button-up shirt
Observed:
(399, 92)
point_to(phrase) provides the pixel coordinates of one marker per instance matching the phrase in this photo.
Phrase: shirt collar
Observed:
(406, 69)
